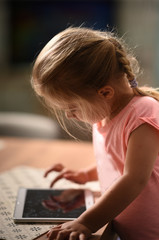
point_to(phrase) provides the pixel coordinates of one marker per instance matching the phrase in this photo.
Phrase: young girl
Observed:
(91, 77)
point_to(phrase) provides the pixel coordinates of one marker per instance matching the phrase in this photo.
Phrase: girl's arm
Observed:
(143, 148)
(142, 151)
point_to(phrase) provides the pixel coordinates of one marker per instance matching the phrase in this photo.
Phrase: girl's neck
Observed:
(120, 102)
(117, 107)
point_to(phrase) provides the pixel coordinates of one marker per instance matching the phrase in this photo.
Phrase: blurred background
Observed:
(26, 26)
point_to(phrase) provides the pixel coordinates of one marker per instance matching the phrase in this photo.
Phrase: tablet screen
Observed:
(43, 203)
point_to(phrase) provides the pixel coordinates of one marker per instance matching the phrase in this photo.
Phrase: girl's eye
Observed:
(72, 110)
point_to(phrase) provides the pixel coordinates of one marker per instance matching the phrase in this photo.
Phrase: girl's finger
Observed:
(74, 236)
(54, 228)
(75, 178)
(80, 177)
(60, 176)
(57, 167)
(82, 236)
(51, 234)
(61, 235)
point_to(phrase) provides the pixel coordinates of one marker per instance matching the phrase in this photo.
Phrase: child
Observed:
(91, 77)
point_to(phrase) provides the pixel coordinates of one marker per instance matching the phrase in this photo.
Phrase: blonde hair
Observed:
(79, 61)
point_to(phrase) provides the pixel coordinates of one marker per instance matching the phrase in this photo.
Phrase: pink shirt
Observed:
(140, 220)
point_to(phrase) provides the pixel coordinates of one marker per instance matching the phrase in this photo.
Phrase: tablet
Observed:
(51, 205)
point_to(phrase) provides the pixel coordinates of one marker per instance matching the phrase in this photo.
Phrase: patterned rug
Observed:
(28, 177)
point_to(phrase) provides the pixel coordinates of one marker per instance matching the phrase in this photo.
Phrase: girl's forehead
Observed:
(64, 104)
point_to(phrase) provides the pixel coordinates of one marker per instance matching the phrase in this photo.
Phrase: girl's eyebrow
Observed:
(70, 108)
(67, 108)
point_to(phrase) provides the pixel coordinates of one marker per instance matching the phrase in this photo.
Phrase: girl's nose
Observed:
(69, 115)
(72, 115)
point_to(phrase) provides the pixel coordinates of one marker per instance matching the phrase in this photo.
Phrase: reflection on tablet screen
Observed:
(69, 203)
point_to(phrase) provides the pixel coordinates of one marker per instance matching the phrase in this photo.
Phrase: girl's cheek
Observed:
(70, 115)
(67, 115)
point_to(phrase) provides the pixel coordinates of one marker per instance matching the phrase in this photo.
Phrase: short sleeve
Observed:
(145, 110)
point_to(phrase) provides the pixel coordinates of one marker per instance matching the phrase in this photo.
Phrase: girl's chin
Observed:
(90, 122)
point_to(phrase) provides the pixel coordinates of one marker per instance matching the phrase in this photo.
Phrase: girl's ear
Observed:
(106, 92)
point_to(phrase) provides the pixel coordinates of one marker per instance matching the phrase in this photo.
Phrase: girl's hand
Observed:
(72, 230)
(80, 177)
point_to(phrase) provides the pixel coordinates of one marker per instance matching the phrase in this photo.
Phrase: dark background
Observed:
(26, 26)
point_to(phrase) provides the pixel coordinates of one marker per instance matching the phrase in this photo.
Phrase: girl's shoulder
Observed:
(144, 100)
(139, 108)
(144, 104)
(142, 109)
